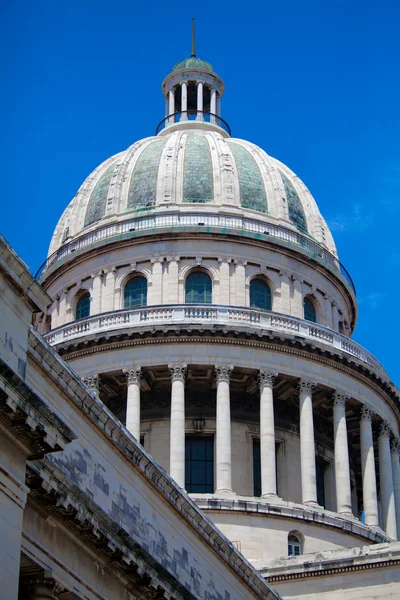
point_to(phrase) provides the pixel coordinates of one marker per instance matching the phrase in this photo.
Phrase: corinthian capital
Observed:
(178, 371)
(93, 382)
(266, 378)
(133, 375)
(223, 372)
(340, 398)
(396, 446)
(366, 413)
(306, 386)
(385, 429)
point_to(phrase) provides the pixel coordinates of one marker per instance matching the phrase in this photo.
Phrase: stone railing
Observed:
(141, 225)
(211, 314)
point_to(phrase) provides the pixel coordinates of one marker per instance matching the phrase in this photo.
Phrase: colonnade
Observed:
(182, 88)
(389, 465)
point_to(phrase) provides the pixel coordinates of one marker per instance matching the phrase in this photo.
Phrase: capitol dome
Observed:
(190, 168)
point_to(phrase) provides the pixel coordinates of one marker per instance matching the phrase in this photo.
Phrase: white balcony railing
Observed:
(213, 315)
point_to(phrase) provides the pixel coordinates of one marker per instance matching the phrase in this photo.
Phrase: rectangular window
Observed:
(320, 474)
(257, 467)
(199, 465)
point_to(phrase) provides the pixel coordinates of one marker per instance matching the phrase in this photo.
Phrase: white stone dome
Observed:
(192, 169)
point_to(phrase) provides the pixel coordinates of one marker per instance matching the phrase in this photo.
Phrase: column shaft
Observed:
(224, 280)
(155, 295)
(240, 282)
(223, 433)
(133, 401)
(177, 428)
(307, 446)
(200, 100)
(342, 465)
(267, 434)
(386, 482)
(171, 103)
(370, 499)
(396, 480)
(184, 99)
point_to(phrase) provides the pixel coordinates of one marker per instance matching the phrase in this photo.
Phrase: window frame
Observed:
(262, 280)
(130, 279)
(82, 295)
(295, 546)
(210, 291)
(311, 300)
(206, 486)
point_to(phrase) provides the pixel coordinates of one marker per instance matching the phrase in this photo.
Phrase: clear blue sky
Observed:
(316, 84)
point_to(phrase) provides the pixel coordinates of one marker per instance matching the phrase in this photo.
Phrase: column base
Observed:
(224, 492)
(312, 503)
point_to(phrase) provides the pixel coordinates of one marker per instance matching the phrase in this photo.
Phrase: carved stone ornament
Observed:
(306, 386)
(385, 429)
(93, 382)
(266, 378)
(157, 259)
(133, 375)
(173, 259)
(366, 413)
(223, 372)
(396, 446)
(198, 425)
(41, 587)
(178, 371)
(340, 398)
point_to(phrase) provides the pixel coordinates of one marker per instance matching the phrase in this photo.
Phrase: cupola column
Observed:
(267, 434)
(342, 465)
(184, 99)
(177, 428)
(307, 446)
(171, 102)
(386, 482)
(213, 104)
(199, 100)
(370, 498)
(133, 377)
(396, 480)
(218, 105)
(223, 433)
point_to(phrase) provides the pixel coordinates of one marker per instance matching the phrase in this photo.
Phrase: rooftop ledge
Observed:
(155, 223)
(211, 315)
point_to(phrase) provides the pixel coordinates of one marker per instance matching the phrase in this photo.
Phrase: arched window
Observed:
(198, 288)
(260, 294)
(135, 292)
(82, 310)
(294, 544)
(309, 310)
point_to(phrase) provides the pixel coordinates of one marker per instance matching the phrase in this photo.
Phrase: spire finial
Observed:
(193, 41)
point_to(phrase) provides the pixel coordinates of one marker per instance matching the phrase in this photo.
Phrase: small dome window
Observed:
(260, 294)
(294, 544)
(135, 292)
(198, 288)
(82, 310)
(310, 313)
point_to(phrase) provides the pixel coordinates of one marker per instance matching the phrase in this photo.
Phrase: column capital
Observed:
(306, 385)
(173, 259)
(340, 398)
(92, 382)
(240, 262)
(266, 378)
(366, 413)
(133, 374)
(157, 259)
(283, 273)
(385, 429)
(178, 371)
(224, 260)
(223, 372)
(395, 446)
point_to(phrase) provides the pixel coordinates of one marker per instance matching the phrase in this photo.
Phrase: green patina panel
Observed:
(252, 190)
(296, 212)
(143, 185)
(198, 182)
(96, 207)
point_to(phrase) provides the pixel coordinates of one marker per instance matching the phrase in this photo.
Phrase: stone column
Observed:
(218, 105)
(155, 297)
(93, 382)
(396, 480)
(133, 377)
(342, 465)
(62, 308)
(173, 274)
(199, 100)
(328, 312)
(171, 103)
(224, 280)
(184, 99)
(223, 433)
(370, 498)
(335, 316)
(284, 307)
(307, 445)
(177, 428)
(240, 282)
(386, 482)
(267, 434)
(95, 302)
(213, 104)
(109, 290)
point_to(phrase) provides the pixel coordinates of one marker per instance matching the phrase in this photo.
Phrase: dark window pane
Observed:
(256, 468)
(135, 293)
(320, 473)
(309, 311)
(198, 288)
(260, 294)
(199, 464)
(82, 310)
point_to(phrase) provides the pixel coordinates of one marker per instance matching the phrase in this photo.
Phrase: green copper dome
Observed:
(193, 63)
